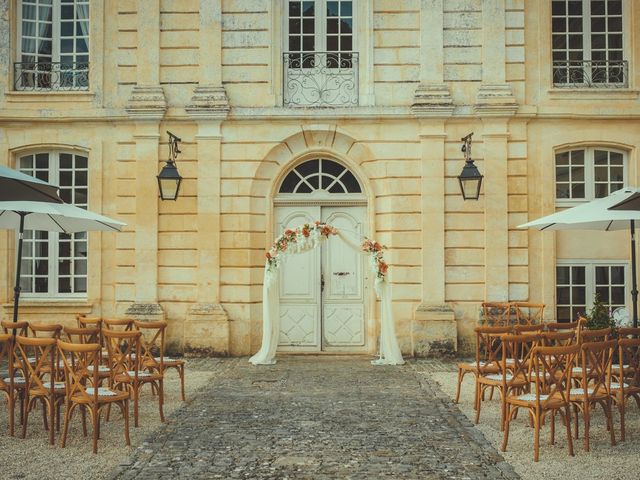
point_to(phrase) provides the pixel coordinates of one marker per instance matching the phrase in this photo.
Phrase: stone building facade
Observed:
(385, 89)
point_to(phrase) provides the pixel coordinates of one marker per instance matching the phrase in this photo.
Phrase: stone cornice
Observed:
(432, 100)
(495, 100)
(146, 103)
(208, 102)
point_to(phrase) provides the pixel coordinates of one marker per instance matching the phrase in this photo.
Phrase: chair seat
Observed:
(101, 368)
(179, 360)
(531, 397)
(580, 391)
(616, 385)
(579, 369)
(498, 377)
(102, 392)
(18, 380)
(56, 385)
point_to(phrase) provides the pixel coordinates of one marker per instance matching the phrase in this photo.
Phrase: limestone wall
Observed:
(431, 72)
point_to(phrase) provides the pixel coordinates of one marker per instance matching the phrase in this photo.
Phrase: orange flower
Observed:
(383, 267)
(267, 255)
(305, 231)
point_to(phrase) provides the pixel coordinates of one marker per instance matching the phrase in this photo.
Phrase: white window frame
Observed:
(586, 42)
(320, 26)
(590, 279)
(56, 6)
(53, 239)
(589, 173)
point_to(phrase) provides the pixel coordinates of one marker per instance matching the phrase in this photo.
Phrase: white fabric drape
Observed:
(389, 349)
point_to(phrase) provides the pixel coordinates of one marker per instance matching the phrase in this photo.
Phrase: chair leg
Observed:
(567, 422)
(507, 420)
(125, 413)
(25, 418)
(136, 393)
(52, 417)
(609, 414)
(536, 441)
(84, 420)
(553, 427)
(622, 412)
(576, 420)
(460, 377)
(587, 426)
(11, 401)
(68, 412)
(161, 399)
(94, 420)
(478, 404)
(181, 374)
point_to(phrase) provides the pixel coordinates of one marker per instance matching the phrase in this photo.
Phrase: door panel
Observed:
(299, 286)
(343, 312)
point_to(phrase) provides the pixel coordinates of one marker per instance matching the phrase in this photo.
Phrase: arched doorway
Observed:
(323, 292)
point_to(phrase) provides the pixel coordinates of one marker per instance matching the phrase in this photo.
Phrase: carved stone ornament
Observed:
(432, 100)
(208, 101)
(495, 100)
(147, 102)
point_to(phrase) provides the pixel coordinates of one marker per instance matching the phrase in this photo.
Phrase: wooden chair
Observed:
(472, 367)
(561, 326)
(118, 324)
(84, 390)
(37, 356)
(88, 335)
(21, 328)
(595, 385)
(496, 314)
(552, 383)
(558, 338)
(488, 360)
(7, 383)
(513, 374)
(629, 332)
(528, 313)
(167, 362)
(628, 385)
(124, 349)
(152, 353)
(45, 330)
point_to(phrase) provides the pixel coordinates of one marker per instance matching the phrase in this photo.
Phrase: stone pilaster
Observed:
(432, 97)
(434, 328)
(5, 48)
(495, 96)
(496, 223)
(207, 324)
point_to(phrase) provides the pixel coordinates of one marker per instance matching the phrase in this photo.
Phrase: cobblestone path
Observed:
(317, 418)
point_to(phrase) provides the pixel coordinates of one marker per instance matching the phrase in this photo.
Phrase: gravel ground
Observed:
(34, 458)
(603, 461)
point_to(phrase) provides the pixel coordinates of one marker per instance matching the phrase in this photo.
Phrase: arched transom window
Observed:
(320, 175)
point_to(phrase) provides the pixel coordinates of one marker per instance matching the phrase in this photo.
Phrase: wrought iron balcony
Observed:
(40, 76)
(320, 79)
(590, 74)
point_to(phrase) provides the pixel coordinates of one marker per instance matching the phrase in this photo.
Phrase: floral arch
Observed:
(307, 237)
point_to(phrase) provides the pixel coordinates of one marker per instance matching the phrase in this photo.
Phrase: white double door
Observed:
(322, 291)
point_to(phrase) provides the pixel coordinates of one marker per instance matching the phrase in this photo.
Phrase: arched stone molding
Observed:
(309, 141)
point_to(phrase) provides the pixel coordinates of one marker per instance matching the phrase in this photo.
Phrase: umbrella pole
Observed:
(634, 281)
(16, 289)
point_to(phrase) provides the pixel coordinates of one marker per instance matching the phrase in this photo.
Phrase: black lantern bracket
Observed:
(169, 179)
(470, 178)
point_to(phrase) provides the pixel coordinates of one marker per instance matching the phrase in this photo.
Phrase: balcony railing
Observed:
(57, 76)
(590, 74)
(320, 79)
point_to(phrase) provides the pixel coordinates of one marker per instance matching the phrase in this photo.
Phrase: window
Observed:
(53, 45)
(587, 43)
(56, 263)
(576, 285)
(320, 174)
(320, 59)
(589, 173)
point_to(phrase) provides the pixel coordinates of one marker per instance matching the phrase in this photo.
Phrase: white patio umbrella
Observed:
(599, 214)
(15, 185)
(52, 217)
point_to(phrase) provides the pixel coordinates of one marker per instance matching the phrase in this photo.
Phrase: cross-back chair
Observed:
(595, 385)
(21, 328)
(552, 382)
(88, 335)
(628, 385)
(496, 314)
(152, 354)
(7, 383)
(561, 326)
(38, 356)
(629, 332)
(118, 324)
(528, 313)
(488, 360)
(558, 338)
(84, 390)
(45, 330)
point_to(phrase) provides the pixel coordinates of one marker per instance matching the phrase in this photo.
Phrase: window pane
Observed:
(332, 9)
(617, 296)
(308, 9)
(562, 275)
(562, 174)
(578, 275)
(80, 285)
(564, 296)
(558, 7)
(575, 7)
(294, 9)
(562, 158)
(578, 295)
(617, 275)
(294, 25)
(345, 9)
(64, 285)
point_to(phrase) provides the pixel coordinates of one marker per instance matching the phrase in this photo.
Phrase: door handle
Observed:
(322, 282)
(341, 274)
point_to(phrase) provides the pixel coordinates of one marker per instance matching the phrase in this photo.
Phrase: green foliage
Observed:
(599, 317)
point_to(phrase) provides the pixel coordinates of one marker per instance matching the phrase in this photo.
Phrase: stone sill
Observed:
(594, 93)
(49, 97)
(43, 306)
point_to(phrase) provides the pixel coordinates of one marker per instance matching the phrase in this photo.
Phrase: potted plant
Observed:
(600, 316)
